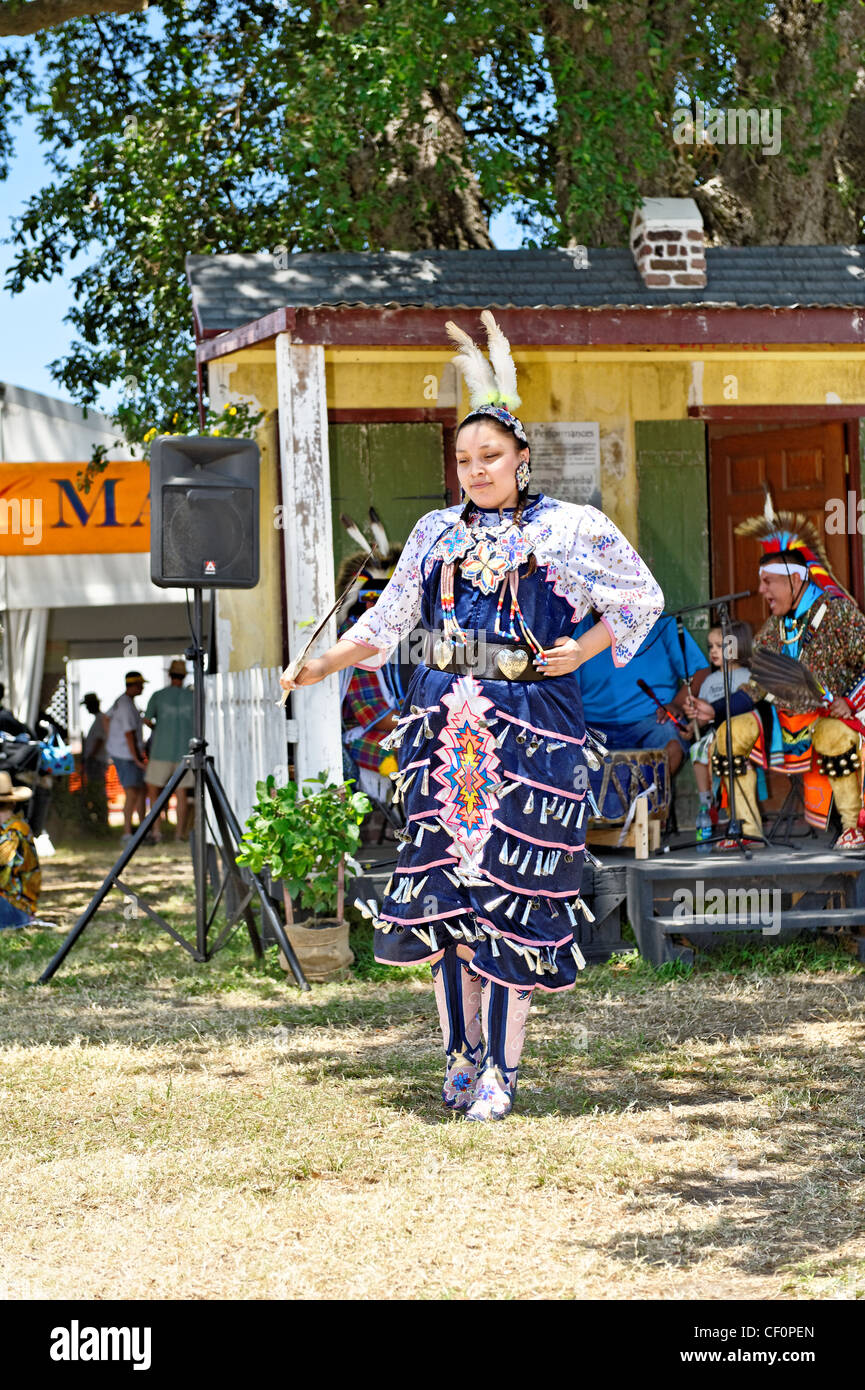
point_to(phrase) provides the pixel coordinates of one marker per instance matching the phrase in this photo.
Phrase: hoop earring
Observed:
(523, 475)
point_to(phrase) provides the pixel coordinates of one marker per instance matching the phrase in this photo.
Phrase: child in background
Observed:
(20, 875)
(708, 684)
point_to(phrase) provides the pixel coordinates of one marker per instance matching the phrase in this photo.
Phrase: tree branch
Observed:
(36, 15)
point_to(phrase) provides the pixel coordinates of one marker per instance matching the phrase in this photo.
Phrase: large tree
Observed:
(257, 125)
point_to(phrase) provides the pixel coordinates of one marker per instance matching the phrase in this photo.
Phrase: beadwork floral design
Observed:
(486, 567)
(455, 543)
(518, 545)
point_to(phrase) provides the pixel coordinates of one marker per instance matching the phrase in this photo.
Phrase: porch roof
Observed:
(231, 291)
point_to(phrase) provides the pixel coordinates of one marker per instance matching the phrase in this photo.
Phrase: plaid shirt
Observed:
(364, 707)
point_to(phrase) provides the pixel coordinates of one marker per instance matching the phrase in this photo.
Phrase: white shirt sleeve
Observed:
(398, 609)
(615, 582)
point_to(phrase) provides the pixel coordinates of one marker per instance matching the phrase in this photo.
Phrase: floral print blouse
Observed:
(579, 552)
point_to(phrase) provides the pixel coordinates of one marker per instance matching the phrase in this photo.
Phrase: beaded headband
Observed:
(504, 417)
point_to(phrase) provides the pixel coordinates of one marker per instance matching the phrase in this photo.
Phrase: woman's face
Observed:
(487, 459)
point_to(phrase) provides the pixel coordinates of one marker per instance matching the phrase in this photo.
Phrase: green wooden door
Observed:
(673, 513)
(398, 469)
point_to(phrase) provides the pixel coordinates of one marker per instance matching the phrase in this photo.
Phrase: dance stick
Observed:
(294, 668)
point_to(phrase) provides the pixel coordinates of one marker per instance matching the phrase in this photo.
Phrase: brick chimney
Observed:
(668, 244)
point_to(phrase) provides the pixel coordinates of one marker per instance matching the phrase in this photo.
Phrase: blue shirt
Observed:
(611, 694)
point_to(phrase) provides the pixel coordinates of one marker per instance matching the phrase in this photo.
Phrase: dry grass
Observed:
(172, 1130)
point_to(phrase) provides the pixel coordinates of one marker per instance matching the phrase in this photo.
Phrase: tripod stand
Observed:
(243, 882)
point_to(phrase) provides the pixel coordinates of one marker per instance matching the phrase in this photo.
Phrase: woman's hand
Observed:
(563, 656)
(315, 670)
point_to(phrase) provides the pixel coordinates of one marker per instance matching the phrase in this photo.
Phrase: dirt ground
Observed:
(173, 1130)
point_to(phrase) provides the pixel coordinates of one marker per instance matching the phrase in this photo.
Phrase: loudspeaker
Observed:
(204, 512)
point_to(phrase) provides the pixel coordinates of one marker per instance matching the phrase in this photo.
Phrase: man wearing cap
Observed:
(125, 748)
(816, 622)
(20, 875)
(169, 714)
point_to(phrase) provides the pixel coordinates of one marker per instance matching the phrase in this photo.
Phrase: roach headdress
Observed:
(791, 538)
(377, 570)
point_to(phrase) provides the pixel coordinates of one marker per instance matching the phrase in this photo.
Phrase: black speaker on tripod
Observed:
(204, 513)
(203, 535)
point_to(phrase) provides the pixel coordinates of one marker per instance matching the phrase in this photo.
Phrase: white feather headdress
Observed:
(489, 383)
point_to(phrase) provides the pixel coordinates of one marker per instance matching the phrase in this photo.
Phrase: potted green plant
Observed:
(307, 837)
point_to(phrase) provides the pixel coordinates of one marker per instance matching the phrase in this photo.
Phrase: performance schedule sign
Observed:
(566, 460)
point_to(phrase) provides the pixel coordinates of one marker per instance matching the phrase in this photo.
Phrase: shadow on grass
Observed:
(785, 1221)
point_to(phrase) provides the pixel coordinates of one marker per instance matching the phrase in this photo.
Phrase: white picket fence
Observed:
(246, 733)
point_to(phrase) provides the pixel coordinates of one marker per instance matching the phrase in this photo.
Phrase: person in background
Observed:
(94, 765)
(614, 703)
(8, 723)
(369, 707)
(20, 875)
(170, 715)
(125, 747)
(708, 684)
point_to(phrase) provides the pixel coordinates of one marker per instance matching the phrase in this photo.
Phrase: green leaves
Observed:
(302, 838)
(270, 126)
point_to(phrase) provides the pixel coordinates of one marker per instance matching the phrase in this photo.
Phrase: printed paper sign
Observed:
(566, 460)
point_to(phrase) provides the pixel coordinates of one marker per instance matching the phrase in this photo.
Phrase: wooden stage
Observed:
(678, 901)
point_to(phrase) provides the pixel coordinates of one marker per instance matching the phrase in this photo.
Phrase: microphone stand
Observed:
(733, 836)
(680, 630)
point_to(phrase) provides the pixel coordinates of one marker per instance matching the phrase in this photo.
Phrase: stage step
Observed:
(816, 917)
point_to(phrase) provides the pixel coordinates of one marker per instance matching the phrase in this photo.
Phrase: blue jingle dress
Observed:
(492, 772)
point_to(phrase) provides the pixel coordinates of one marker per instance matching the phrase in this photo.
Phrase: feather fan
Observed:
(784, 677)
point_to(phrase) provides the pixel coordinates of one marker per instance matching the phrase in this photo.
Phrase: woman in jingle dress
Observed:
(492, 768)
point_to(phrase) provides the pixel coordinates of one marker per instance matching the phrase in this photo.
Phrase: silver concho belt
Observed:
(488, 661)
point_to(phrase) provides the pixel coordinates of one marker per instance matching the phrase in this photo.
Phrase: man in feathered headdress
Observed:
(814, 620)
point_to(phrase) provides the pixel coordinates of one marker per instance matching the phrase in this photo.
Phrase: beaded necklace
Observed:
(490, 558)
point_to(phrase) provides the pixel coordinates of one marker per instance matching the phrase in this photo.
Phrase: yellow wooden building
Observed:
(669, 405)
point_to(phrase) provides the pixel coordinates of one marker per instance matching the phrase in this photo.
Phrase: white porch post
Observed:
(304, 462)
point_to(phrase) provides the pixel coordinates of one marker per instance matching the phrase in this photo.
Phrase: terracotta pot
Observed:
(322, 951)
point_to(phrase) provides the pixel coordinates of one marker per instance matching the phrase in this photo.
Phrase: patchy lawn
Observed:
(173, 1130)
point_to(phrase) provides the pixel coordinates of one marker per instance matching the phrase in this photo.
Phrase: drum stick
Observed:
(647, 690)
